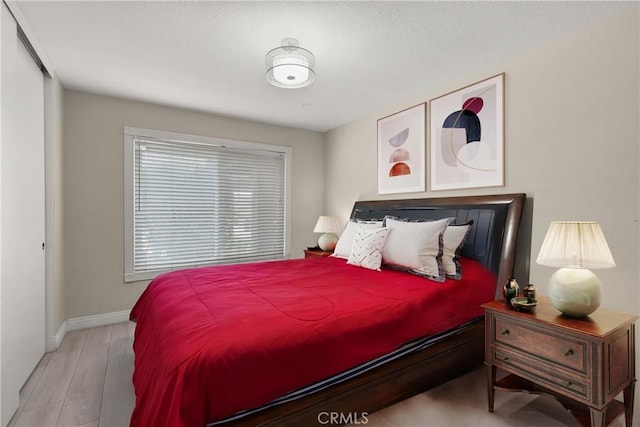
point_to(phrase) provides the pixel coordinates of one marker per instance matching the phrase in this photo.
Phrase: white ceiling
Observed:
(209, 55)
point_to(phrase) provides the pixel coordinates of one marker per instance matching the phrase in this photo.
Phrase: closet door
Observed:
(22, 214)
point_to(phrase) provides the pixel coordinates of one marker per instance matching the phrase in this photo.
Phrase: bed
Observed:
(219, 346)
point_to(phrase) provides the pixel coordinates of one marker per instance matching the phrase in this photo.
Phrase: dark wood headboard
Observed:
(496, 222)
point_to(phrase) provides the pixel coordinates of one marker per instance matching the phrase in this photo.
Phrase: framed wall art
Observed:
(401, 151)
(467, 137)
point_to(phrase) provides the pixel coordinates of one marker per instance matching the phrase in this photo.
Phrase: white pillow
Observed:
(453, 240)
(415, 246)
(345, 242)
(367, 248)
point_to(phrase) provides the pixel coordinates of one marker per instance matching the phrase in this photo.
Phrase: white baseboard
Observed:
(90, 322)
(97, 320)
(59, 335)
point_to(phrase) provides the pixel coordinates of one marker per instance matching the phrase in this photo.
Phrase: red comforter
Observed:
(212, 341)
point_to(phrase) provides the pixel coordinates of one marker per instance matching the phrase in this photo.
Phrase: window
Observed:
(192, 201)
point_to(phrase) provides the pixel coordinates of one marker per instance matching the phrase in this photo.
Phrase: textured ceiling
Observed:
(209, 56)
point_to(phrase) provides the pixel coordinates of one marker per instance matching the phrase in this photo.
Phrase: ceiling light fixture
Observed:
(290, 66)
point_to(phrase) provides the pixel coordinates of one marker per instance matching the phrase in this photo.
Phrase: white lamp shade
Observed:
(290, 66)
(327, 224)
(575, 244)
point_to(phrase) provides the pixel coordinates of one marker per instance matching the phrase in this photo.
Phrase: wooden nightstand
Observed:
(309, 253)
(583, 363)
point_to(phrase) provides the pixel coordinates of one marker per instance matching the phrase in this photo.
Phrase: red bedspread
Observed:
(212, 341)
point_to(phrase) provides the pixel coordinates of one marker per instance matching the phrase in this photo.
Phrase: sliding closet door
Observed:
(22, 214)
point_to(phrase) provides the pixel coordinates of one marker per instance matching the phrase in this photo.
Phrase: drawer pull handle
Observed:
(504, 332)
(568, 353)
(568, 384)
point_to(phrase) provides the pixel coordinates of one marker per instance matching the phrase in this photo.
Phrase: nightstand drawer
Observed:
(575, 387)
(561, 351)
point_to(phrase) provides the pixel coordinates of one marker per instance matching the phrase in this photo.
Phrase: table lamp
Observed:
(575, 246)
(329, 225)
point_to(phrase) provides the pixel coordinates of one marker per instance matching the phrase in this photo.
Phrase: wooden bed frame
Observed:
(493, 242)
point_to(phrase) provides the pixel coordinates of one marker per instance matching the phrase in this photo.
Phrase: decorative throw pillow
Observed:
(367, 248)
(345, 242)
(415, 247)
(453, 240)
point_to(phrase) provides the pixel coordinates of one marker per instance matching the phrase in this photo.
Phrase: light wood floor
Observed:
(87, 382)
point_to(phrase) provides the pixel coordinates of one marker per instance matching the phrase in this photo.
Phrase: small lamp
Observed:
(575, 247)
(329, 225)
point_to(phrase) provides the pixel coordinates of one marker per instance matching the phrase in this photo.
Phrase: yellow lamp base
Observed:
(327, 242)
(576, 292)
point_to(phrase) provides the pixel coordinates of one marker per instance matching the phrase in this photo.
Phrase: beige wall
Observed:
(93, 188)
(571, 142)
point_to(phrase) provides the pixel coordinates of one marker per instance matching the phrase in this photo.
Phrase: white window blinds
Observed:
(202, 201)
